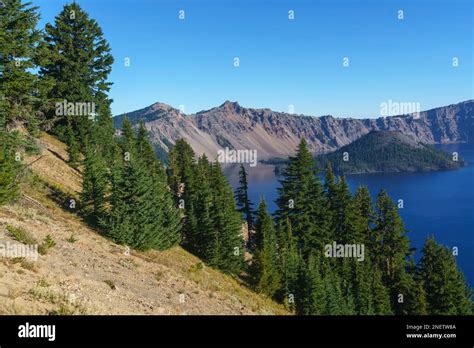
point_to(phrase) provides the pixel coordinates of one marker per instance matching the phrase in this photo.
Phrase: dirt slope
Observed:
(86, 273)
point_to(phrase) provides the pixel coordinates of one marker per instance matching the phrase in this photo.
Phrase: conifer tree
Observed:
(244, 204)
(263, 270)
(411, 298)
(75, 63)
(380, 294)
(301, 200)
(134, 219)
(145, 150)
(142, 213)
(331, 194)
(361, 280)
(344, 214)
(167, 213)
(182, 180)
(365, 216)
(103, 132)
(182, 168)
(227, 222)
(212, 227)
(165, 206)
(288, 263)
(19, 39)
(9, 169)
(392, 244)
(330, 186)
(128, 138)
(445, 287)
(94, 187)
(318, 217)
(297, 177)
(311, 297)
(336, 302)
(202, 238)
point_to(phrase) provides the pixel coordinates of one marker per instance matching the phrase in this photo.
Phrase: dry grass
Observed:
(70, 277)
(21, 235)
(14, 293)
(64, 304)
(52, 167)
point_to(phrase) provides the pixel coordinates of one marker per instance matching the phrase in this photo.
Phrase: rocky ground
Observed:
(84, 273)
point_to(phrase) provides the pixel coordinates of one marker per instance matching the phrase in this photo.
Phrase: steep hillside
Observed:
(86, 273)
(276, 134)
(387, 151)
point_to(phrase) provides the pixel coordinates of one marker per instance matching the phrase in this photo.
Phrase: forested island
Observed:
(383, 152)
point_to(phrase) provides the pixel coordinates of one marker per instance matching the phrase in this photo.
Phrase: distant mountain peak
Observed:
(161, 106)
(277, 134)
(230, 105)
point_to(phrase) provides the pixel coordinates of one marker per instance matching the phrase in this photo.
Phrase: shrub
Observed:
(48, 243)
(21, 235)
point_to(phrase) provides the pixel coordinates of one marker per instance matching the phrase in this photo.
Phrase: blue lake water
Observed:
(435, 203)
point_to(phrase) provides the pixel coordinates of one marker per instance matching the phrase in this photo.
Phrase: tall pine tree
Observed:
(166, 210)
(445, 287)
(301, 201)
(289, 259)
(365, 216)
(202, 238)
(392, 248)
(263, 270)
(95, 187)
(142, 213)
(311, 296)
(9, 170)
(227, 223)
(19, 39)
(75, 63)
(244, 204)
(182, 179)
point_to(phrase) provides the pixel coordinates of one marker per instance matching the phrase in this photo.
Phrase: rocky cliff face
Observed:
(276, 134)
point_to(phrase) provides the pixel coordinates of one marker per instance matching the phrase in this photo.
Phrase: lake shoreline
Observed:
(439, 203)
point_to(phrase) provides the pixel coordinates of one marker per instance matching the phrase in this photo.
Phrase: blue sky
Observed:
(285, 62)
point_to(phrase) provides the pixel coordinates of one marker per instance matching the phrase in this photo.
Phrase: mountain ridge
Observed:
(276, 134)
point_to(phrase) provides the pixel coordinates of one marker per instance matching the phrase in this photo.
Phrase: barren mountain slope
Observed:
(86, 273)
(276, 134)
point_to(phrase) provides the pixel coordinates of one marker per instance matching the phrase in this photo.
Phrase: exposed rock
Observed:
(276, 134)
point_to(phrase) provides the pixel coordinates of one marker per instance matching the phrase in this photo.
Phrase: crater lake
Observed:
(434, 203)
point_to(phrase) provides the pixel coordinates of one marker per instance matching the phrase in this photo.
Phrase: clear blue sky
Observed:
(282, 62)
